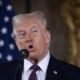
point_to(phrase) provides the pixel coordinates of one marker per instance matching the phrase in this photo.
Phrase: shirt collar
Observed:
(27, 65)
(43, 64)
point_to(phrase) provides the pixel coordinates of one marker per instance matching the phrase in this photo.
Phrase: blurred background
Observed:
(63, 18)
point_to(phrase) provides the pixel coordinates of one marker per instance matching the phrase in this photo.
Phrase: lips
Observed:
(30, 48)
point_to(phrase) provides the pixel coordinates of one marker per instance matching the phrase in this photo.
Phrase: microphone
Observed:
(24, 53)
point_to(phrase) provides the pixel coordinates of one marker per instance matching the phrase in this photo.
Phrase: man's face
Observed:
(33, 36)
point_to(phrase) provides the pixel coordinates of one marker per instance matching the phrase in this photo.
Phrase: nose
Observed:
(29, 37)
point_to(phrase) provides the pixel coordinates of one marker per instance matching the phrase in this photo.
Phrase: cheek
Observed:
(40, 43)
(41, 48)
(20, 44)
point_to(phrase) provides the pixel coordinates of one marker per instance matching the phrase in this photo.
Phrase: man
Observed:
(30, 33)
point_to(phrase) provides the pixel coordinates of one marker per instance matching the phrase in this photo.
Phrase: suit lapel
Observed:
(53, 72)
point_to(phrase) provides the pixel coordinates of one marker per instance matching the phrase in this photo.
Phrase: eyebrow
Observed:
(20, 31)
(34, 26)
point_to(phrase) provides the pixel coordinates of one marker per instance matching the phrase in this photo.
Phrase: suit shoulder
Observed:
(68, 65)
(64, 69)
(64, 65)
(10, 63)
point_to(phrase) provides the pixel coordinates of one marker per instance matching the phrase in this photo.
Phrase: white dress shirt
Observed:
(41, 74)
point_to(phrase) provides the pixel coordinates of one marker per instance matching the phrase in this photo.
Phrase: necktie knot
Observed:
(35, 67)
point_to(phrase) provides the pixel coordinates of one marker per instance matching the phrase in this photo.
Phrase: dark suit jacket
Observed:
(57, 70)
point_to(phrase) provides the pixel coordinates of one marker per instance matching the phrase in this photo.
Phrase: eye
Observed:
(21, 34)
(34, 30)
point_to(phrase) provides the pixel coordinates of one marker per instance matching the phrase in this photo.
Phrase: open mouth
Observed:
(30, 48)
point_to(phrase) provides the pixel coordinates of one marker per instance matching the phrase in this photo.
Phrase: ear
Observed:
(48, 36)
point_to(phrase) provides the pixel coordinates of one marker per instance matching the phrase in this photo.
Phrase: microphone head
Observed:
(24, 53)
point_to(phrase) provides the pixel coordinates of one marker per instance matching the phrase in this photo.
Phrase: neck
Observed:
(33, 61)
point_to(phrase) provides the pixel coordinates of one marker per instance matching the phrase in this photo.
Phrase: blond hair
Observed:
(37, 14)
